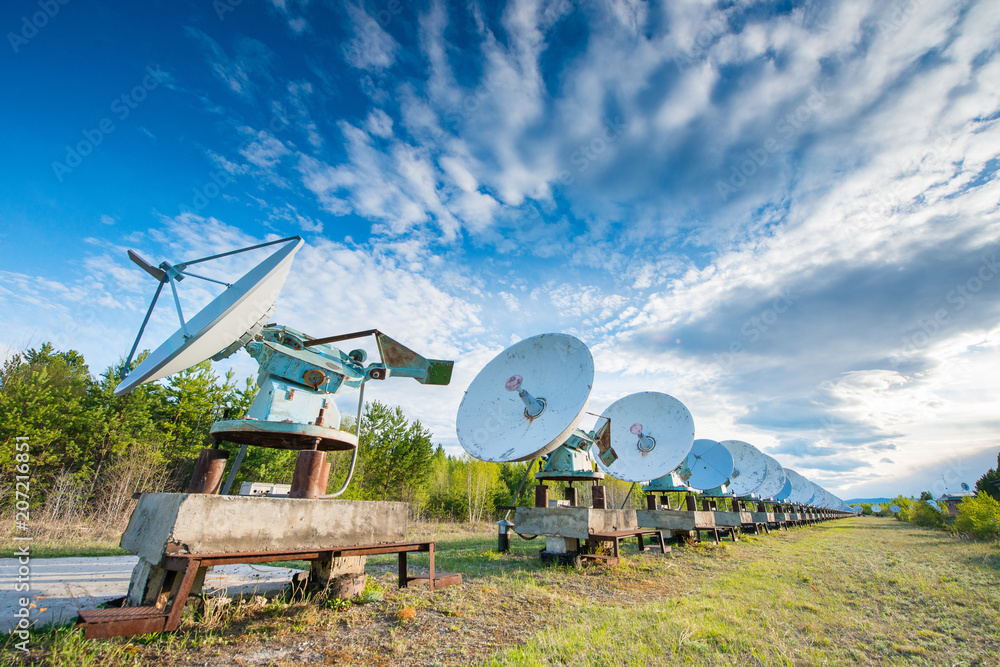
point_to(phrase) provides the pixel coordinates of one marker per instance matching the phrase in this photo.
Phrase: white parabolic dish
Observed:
(801, 488)
(876, 508)
(223, 321)
(492, 424)
(661, 418)
(749, 467)
(774, 480)
(707, 466)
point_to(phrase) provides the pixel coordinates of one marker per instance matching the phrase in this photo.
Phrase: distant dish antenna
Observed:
(644, 436)
(802, 490)
(876, 508)
(965, 487)
(234, 316)
(527, 400)
(894, 509)
(707, 466)
(774, 479)
(749, 467)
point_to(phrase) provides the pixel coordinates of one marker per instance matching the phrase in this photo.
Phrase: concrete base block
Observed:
(732, 519)
(572, 522)
(342, 578)
(561, 545)
(675, 520)
(184, 523)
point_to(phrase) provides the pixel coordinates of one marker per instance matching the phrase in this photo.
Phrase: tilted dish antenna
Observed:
(749, 467)
(965, 487)
(298, 374)
(876, 508)
(709, 465)
(644, 436)
(234, 316)
(774, 479)
(894, 509)
(527, 400)
(786, 490)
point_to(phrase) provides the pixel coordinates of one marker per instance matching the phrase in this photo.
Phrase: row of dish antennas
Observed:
(527, 403)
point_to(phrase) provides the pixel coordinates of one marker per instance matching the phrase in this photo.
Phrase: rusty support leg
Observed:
(541, 496)
(208, 471)
(402, 569)
(430, 552)
(571, 496)
(651, 503)
(600, 499)
(308, 480)
(690, 503)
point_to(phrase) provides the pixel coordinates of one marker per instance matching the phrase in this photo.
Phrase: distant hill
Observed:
(867, 500)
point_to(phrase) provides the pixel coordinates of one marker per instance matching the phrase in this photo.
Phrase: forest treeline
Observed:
(90, 450)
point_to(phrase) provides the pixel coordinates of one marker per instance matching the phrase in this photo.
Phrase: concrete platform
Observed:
(732, 519)
(62, 586)
(572, 522)
(200, 523)
(193, 523)
(679, 520)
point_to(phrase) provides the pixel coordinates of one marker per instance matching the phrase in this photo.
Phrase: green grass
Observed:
(866, 591)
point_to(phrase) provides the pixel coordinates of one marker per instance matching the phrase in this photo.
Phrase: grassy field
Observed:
(861, 591)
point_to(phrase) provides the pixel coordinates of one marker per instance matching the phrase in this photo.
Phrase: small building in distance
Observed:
(951, 501)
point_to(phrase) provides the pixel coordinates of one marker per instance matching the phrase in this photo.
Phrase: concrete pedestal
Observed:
(572, 522)
(181, 523)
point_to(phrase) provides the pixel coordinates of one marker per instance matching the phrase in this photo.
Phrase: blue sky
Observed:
(783, 214)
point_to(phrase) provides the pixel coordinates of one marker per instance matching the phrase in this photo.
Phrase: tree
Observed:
(43, 397)
(394, 454)
(989, 483)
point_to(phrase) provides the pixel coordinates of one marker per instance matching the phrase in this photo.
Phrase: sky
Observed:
(783, 214)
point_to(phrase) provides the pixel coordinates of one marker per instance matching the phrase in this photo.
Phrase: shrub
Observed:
(979, 516)
(922, 514)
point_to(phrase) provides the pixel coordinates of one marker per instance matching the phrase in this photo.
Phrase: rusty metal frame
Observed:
(138, 620)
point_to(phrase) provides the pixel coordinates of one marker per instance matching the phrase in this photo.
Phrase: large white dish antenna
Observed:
(894, 509)
(876, 508)
(786, 490)
(649, 435)
(219, 324)
(801, 488)
(774, 479)
(708, 465)
(549, 374)
(749, 467)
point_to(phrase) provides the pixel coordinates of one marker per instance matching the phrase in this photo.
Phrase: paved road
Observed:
(61, 586)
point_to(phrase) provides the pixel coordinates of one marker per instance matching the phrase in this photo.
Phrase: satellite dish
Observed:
(786, 490)
(774, 479)
(232, 317)
(645, 436)
(965, 487)
(749, 467)
(802, 491)
(527, 400)
(934, 504)
(894, 509)
(876, 508)
(708, 465)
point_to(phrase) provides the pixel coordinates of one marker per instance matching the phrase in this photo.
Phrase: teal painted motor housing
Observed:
(670, 482)
(571, 460)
